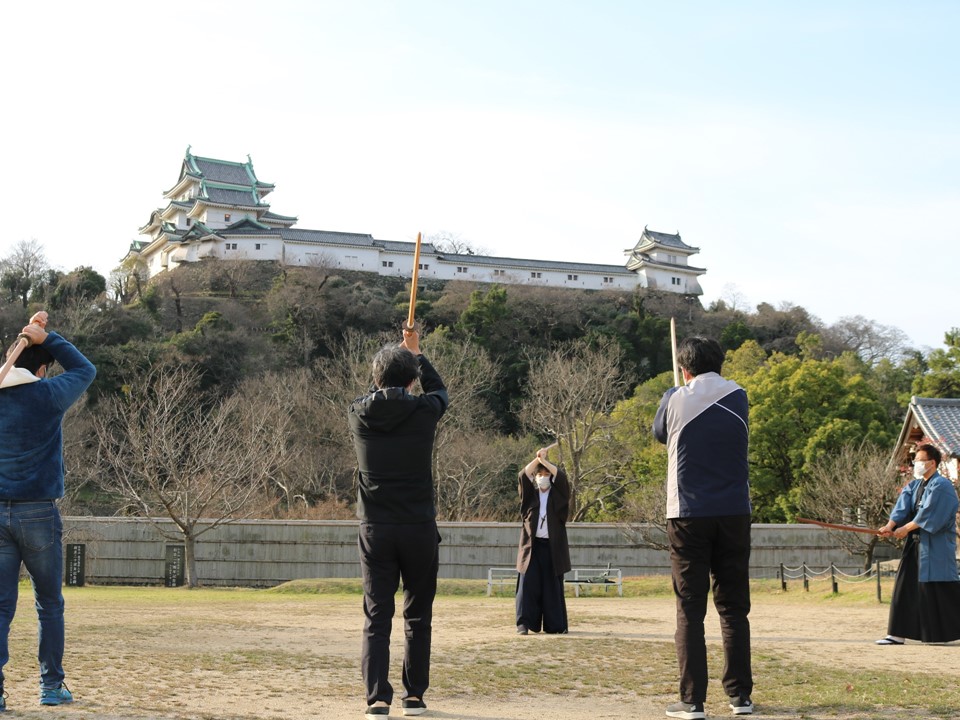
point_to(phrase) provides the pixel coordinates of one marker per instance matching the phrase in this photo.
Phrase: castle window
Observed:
(607, 279)
(535, 275)
(258, 246)
(387, 263)
(226, 217)
(499, 273)
(674, 281)
(421, 266)
(573, 277)
(461, 269)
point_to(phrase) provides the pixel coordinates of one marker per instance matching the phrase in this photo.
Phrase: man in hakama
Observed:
(926, 594)
(544, 553)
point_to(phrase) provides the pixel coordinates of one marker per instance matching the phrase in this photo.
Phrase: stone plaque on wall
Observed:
(76, 564)
(173, 568)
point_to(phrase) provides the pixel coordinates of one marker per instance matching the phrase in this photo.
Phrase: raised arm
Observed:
(539, 459)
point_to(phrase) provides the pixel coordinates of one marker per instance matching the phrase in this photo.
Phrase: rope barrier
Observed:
(837, 576)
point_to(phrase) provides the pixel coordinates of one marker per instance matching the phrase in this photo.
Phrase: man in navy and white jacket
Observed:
(705, 427)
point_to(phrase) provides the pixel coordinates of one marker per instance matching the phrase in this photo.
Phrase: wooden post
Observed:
(877, 570)
(23, 342)
(673, 348)
(783, 579)
(833, 578)
(806, 580)
(413, 284)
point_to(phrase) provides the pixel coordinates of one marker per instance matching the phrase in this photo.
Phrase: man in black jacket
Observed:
(393, 433)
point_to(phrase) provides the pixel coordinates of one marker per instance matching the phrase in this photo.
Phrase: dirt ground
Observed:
(250, 655)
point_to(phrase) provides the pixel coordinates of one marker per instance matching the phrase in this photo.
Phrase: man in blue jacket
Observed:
(926, 594)
(705, 427)
(393, 434)
(31, 480)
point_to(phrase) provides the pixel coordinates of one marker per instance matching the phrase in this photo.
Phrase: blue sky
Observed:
(810, 150)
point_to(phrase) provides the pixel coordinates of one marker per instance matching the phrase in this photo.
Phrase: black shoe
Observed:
(741, 705)
(377, 712)
(414, 707)
(686, 711)
(522, 630)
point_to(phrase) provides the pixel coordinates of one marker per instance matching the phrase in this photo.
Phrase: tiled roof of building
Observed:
(221, 171)
(940, 420)
(558, 265)
(229, 196)
(665, 239)
(324, 236)
(270, 215)
(364, 240)
(248, 226)
(645, 258)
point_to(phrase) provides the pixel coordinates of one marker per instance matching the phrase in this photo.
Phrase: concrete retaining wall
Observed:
(263, 553)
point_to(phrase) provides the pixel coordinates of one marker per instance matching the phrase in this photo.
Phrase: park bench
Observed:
(501, 577)
(593, 577)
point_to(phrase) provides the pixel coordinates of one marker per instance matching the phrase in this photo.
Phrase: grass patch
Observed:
(308, 633)
(652, 586)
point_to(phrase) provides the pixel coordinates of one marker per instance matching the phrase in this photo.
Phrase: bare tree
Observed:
(645, 513)
(471, 466)
(733, 298)
(569, 393)
(21, 270)
(475, 475)
(300, 308)
(233, 272)
(466, 468)
(169, 451)
(870, 340)
(450, 242)
(128, 280)
(337, 381)
(855, 485)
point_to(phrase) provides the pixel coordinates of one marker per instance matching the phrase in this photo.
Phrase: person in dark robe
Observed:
(925, 604)
(544, 554)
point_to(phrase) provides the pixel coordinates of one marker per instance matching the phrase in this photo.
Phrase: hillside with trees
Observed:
(222, 387)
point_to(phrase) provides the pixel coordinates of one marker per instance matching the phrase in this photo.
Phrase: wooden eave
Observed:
(652, 245)
(185, 182)
(200, 205)
(636, 263)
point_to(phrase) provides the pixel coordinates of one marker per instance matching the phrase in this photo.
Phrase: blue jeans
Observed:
(32, 532)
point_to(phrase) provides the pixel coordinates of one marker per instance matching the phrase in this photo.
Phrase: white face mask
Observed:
(543, 481)
(920, 468)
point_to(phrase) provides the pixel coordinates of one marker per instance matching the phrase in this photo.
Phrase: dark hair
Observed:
(395, 366)
(931, 451)
(540, 466)
(698, 355)
(33, 357)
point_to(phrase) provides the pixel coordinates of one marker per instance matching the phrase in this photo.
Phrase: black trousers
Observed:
(389, 553)
(540, 601)
(700, 547)
(926, 611)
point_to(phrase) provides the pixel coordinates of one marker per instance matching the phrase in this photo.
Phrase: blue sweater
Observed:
(31, 438)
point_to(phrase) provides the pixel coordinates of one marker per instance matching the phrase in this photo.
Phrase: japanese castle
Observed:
(217, 209)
